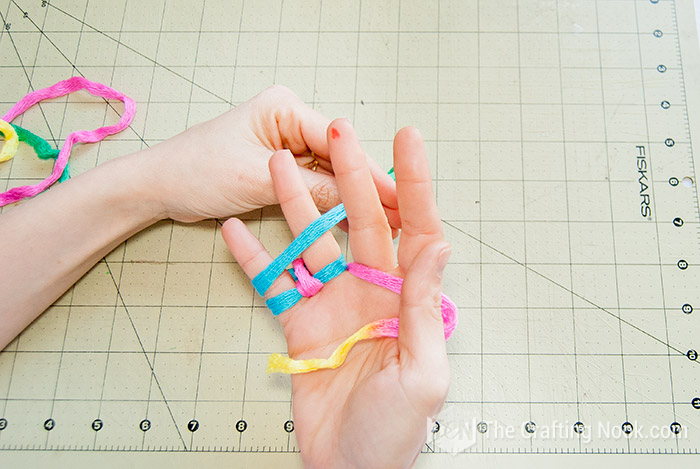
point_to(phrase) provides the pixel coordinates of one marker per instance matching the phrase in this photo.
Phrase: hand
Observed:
(220, 168)
(374, 410)
(215, 169)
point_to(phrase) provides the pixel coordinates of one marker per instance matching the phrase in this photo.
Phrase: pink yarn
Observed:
(390, 327)
(306, 284)
(63, 88)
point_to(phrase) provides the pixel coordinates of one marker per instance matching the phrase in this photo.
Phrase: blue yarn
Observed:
(332, 270)
(264, 280)
(311, 233)
(285, 300)
(282, 302)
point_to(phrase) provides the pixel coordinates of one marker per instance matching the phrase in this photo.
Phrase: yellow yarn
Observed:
(283, 364)
(11, 141)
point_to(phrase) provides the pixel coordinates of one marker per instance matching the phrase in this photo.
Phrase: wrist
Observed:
(134, 183)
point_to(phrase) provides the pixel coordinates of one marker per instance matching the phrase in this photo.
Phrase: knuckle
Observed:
(279, 91)
(420, 228)
(325, 196)
(370, 224)
(252, 260)
(429, 301)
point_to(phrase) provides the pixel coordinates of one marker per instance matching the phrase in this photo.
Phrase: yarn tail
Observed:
(278, 363)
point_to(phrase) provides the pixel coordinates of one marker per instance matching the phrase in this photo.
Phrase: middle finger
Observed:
(368, 229)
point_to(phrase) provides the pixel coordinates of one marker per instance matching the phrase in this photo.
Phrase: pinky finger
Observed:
(251, 255)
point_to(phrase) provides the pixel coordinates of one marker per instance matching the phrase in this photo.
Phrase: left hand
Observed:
(220, 168)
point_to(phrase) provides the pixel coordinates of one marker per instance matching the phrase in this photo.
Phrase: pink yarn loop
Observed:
(307, 285)
(63, 88)
(390, 327)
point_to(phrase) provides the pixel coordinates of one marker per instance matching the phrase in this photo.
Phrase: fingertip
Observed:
(230, 224)
(408, 128)
(343, 122)
(230, 229)
(339, 129)
(409, 132)
(285, 173)
(278, 159)
(410, 158)
(408, 139)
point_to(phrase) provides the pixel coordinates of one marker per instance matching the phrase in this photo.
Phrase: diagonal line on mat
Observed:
(145, 354)
(228, 102)
(26, 74)
(74, 66)
(192, 82)
(577, 295)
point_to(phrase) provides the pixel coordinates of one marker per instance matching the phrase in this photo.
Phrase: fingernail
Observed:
(443, 257)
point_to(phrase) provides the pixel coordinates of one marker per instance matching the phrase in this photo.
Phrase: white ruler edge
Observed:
(270, 460)
(690, 64)
(697, 16)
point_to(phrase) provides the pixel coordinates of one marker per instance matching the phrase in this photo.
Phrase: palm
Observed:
(372, 410)
(329, 404)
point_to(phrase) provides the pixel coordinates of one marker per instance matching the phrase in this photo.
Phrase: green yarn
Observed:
(391, 173)
(41, 147)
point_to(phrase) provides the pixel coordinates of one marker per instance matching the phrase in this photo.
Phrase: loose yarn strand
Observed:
(63, 88)
(42, 148)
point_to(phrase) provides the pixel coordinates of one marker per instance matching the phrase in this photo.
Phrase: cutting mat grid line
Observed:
(577, 310)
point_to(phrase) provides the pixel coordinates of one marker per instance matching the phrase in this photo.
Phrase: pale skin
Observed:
(396, 387)
(215, 169)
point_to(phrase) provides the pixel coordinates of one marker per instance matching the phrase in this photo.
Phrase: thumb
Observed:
(421, 330)
(322, 187)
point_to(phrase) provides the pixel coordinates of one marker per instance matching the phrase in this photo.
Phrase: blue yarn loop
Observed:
(306, 238)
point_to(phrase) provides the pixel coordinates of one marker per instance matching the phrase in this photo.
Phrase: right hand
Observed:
(373, 410)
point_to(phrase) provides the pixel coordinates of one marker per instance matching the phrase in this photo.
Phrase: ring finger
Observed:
(299, 209)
